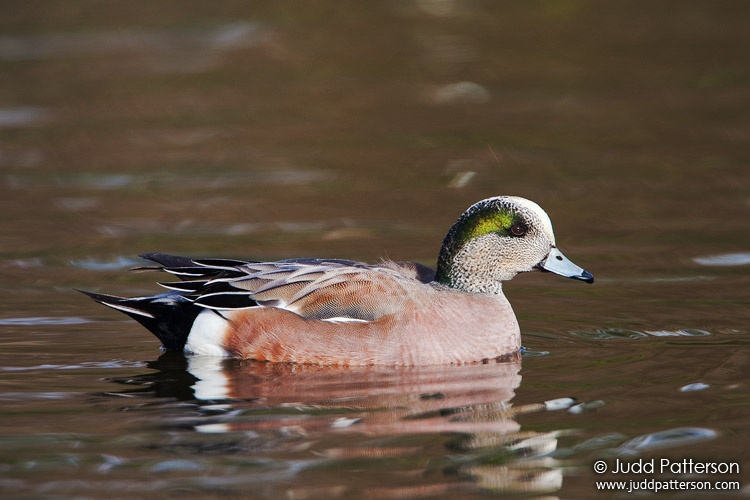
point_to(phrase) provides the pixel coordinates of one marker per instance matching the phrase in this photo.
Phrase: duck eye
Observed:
(518, 229)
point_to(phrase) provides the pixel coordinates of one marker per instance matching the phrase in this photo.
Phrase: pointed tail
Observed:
(169, 316)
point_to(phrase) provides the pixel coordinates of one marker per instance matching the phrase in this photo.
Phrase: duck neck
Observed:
(444, 268)
(468, 259)
(468, 269)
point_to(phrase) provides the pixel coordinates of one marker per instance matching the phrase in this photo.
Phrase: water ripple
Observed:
(105, 265)
(44, 320)
(671, 438)
(698, 386)
(25, 396)
(679, 333)
(112, 364)
(215, 180)
(608, 334)
(217, 38)
(22, 116)
(727, 259)
(620, 333)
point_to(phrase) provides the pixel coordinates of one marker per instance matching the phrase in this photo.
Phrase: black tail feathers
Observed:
(167, 260)
(169, 316)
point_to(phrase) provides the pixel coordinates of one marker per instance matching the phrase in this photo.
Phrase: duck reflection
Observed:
(365, 415)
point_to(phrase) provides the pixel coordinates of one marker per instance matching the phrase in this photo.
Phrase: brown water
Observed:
(271, 131)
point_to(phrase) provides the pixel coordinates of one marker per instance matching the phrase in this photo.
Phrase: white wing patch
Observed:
(342, 319)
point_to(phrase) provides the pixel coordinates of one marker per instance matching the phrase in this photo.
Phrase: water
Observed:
(271, 131)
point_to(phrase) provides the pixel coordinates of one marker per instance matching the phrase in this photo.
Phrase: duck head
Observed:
(497, 238)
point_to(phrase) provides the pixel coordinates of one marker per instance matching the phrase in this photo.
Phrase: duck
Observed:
(342, 312)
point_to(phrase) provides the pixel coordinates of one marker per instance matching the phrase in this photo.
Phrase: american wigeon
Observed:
(341, 312)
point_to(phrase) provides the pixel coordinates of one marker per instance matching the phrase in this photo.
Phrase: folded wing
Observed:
(313, 288)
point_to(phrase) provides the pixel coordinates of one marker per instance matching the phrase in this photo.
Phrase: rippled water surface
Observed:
(261, 130)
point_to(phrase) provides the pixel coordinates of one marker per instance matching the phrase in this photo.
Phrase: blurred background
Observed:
(362, 130)
(225, 127)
